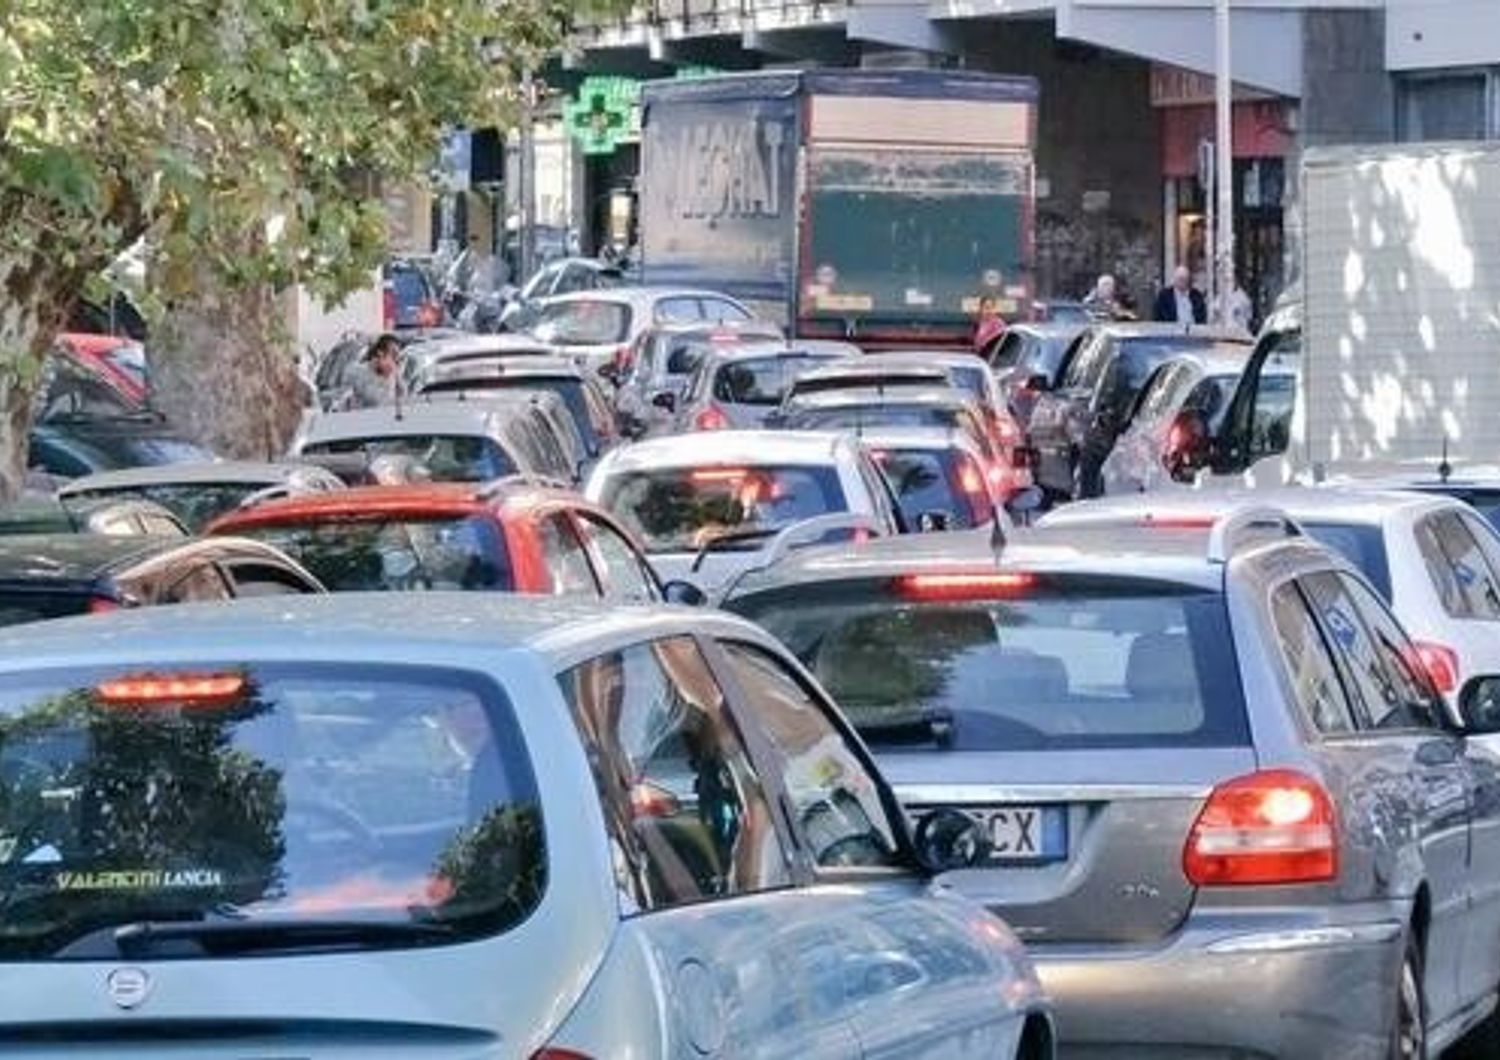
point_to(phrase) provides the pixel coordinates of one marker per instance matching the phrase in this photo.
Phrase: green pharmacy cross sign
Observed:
(605, 114)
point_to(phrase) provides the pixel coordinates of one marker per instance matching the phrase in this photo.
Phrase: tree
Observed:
(244, 142)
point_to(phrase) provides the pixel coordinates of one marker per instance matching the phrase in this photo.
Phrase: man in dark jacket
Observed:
(1181, 303)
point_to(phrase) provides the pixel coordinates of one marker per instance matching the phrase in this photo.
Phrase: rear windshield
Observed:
(683, 509)
(1485, 502)
(408, 285)
(392, 806)
(195, 505)
(583, 323)
(397, 555)
(1064, 665)
(17, 608)
(929, 481)
(867, 417)
(447, 458)
(762, 381)
(570, 390)
(1363, 546)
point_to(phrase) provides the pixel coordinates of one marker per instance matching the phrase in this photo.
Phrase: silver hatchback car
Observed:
(469, 828)
(1205, 777)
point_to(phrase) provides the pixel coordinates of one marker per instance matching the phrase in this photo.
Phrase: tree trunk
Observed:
(223, 371)
(35, 299)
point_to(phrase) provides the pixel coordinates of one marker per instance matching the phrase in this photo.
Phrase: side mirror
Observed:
(932, 521)
(1479, 705)
(684, 593)
(666, 400)
(946, 839)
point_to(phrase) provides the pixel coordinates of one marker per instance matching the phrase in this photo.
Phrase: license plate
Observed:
(1026, 833)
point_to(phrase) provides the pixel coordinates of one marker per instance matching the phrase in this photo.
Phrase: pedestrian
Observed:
(1238, 309)
(1102, 303)
(375, 379)
(1180, 302)
(990, 325)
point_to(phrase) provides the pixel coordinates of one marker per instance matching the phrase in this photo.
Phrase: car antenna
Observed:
(1445, 469)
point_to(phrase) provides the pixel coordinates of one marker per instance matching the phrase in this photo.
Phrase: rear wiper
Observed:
(145, 938)
(728, 538)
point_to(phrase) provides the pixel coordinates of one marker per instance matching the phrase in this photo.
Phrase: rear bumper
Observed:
(1231, 984)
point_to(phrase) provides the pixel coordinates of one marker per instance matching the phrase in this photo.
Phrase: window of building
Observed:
(1445, 107)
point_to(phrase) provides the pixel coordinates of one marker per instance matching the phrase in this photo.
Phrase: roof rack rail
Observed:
(1229, 528)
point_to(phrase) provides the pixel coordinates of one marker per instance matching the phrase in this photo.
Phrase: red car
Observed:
(506, 536)
(118, 360)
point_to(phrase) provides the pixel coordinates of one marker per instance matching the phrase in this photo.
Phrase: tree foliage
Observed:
(206, 127)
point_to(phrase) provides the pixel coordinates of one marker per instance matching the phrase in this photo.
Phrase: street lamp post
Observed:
(1224, 184)
(527, 182)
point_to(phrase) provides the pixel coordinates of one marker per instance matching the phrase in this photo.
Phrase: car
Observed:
(63, 448)
(742, 386)
(543, 427)
(1433, 558)
(102, 515)
(408, 299)
(648, 823)
(332, 379)
(599, 328)
(510, 535)
(1477, 485)
(938, 476)
(579, 390)
(449, 441)
(197, 493)
(119, 359)
(1181, 406)
(663, 363)
(1204, 777)
(566, 276)
(1028, 359)
(422, 358)
(44, 576)
(706, 512)
(1074, 424)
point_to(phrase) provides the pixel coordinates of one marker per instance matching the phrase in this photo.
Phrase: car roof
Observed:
(1055, 329)
(878, 368)
(421, 417)
(917, 438)
(238, 472)
(851, 397)
(1304, 503)
(1168, 555)
(479, 369)
(633, 296)
(820, 349)
(405, 499)
(751, 448)
(1219, 359)
(435, 628)
(461, 343)
(944, 359)
(75, 557)
(1422, 474)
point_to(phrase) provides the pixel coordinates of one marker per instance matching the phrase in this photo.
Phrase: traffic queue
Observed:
(750, 696)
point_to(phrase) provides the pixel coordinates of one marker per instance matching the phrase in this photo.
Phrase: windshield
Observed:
(20, 607)
(868, 417)
(286, 796)
(396, 555)
(929, 481)
(682, 509)
(196, 505)
(1079, 664)
(447, 458)
(761, 381)
(586, 323)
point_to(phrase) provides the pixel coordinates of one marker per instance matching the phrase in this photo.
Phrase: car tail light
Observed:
(988, 585)
(553, 1053)
(1178, 522)
(710, 419)
(1441, 665)
(719, 474)
(1006, 429)
(624, 358)
(1276, 826)
(388, 308)
(103, 605)
(430, 315)
(190, 690)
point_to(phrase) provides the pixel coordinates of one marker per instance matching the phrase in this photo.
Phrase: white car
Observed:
(599, 328)
(710, 507)
(1433, 558)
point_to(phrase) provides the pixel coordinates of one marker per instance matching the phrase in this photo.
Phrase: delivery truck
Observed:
(879, 206)
(1394, 329)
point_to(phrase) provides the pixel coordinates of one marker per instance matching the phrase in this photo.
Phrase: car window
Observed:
(204, 583)
(1314, 677)
(720, 311)
(1439, 567)
(678, 311)
(624, 575)
(687, 814)
(1008, 352)
(835, 801)
(160, 525)
(1377, 657)
(574, 278)
(566, 559)
(584, 322)
(1088, 365)
(1478, 596)
(263, 579)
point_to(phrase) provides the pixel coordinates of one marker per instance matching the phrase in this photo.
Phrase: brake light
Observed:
(388, 308)
(430, 315)
(624, 358)
(553, 1053)
(711, 419)
(719, 474)
(1178, 522)
(976, 586)
(1277, 826)
(1006, 429)
(1441, 665)
(191, 690)
(102, 605)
